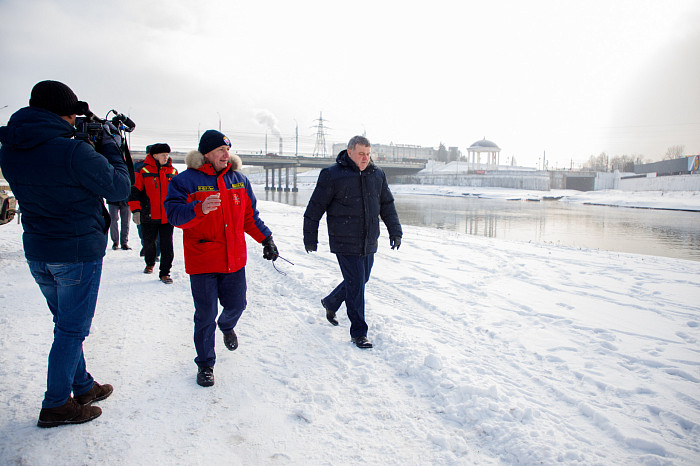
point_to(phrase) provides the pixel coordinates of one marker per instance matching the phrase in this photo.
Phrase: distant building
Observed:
(682, 166)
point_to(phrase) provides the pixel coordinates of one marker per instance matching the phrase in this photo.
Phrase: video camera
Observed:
(90, 127)
(93, 130)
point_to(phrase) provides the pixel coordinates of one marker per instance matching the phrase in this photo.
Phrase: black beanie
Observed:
(55, 97)
(159, 148)
(211, 139)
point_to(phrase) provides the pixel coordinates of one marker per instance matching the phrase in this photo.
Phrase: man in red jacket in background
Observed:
(215, 206)
(146, 204)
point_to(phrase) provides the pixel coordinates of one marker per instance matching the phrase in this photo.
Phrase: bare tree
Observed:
(599, 164)
(674, 152)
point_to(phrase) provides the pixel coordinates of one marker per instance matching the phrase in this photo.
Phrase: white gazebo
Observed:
(490, 148)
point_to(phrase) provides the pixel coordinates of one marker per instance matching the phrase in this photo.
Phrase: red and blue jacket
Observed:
(150, 188)
(215, 242)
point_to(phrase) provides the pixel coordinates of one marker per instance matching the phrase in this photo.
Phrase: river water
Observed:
(641, 231)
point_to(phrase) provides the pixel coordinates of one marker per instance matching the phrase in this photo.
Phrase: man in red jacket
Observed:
(215, 206)
(146, 203)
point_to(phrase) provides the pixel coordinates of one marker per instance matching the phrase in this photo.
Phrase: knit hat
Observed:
(211, 139)
(159, 148)
(57, 98)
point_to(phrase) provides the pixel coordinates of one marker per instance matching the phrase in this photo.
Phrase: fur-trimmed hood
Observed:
(195, 159)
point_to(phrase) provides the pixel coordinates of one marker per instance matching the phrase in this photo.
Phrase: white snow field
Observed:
(486, 352)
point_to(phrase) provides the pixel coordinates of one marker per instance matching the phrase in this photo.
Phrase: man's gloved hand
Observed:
(110, 134)
(310, 248)
(269, 249)
(136, 217)
(395, 242)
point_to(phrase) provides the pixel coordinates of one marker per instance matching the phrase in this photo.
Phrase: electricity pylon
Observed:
(320, 147)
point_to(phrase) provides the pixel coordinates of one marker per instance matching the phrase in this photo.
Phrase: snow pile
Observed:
(486, 352)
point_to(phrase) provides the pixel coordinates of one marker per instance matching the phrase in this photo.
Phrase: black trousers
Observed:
(150, 232)
(355, 270)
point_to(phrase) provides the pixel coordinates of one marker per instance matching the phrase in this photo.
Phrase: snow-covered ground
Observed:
(486, 352)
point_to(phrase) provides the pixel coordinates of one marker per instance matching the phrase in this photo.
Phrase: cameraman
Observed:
(60, 183)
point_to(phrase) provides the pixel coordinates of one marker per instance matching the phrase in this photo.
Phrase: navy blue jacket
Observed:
(353, 202)
(59, 184)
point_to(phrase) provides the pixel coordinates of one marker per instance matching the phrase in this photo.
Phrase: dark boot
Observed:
(362, 342)
(205, 376)
(69, 413)
(96, 393)
(330, 315)
(231, 340)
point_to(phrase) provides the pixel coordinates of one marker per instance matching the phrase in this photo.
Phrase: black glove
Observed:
(395, 242)
(110, 134)
(269, 249)
(310, 248)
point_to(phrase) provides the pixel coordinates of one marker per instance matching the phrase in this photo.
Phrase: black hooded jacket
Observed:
(353, 202)
(59, 183)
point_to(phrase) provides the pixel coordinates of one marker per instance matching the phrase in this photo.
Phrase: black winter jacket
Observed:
(353, 202)
(59, 183)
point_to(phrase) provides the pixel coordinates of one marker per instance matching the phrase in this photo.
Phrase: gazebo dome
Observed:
(492, 151)
(484, 145)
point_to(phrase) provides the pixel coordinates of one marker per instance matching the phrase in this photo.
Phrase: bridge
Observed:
(274, 164)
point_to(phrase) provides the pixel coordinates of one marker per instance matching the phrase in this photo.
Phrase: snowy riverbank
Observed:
(673, 200)
(486, 352)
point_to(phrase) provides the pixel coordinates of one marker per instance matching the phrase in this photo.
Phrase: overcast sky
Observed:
(568, 79)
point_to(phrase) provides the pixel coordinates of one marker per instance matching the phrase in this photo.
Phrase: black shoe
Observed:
(205, 376)
(231, 340)
(330, 315)
(115, 246)
(126, 247)
(362, 342)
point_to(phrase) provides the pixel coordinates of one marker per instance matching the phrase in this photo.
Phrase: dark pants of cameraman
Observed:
(151, 232)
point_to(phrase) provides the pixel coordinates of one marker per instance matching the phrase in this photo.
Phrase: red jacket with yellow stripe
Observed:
(150, 188)
(215, 242)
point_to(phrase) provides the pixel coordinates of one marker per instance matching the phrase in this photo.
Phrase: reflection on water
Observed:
(642, 231)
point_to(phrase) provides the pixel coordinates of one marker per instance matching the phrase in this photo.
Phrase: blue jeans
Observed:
(70, 290)
(356, 271)
(208, 289)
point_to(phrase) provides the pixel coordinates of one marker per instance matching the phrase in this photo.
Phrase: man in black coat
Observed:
(353, 194)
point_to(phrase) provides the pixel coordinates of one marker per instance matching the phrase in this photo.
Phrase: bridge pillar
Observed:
(267, 184)
(295, 189)
(286, 179)
(279, 178)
